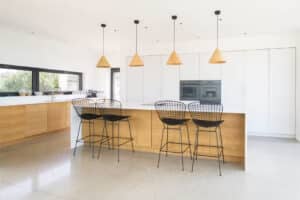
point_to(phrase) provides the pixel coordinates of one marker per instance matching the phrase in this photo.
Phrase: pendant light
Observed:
(136, 60)
(217, 57)
(103, 62)
(174, 58)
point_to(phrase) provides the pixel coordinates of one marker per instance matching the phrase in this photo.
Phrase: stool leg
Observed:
(93, 142)
(195, 148)
(77, 138)
(106, 133)
(90, 139)
(112, 136)
(100, 144)
(160, 148)
(189, 141)
(219, 154)
(118, 141)
(131, 138)
(181, 150)
(222, 146)
(167, 144)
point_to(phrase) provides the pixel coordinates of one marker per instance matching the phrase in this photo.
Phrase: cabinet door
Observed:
(134, 84)
(257, 91)
(208, 71)
(36, 119)
(189, 70)
(233, 87)
(152, 79)
(282, 94)
(56, 116)
(170, 80)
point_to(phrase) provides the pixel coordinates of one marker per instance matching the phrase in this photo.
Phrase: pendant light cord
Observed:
(174, 35)
(217, 31)
(103, 41)
(136, 38)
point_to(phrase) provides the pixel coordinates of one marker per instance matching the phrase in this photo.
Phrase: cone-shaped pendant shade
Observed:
(136, 61)
(217, 57)
(174, 59)
(103, 63)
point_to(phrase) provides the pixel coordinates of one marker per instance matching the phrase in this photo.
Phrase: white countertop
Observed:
(25, 100)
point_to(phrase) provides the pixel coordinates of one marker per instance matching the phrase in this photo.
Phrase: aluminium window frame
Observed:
(35, 77)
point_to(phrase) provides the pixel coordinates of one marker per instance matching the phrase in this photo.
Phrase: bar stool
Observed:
(86, 111)
(207, 118)
(172, 115)
(111, 112)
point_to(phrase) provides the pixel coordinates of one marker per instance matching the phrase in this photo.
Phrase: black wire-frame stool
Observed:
(172, 115)
(208, 118)
(86, 111)
(111, 112)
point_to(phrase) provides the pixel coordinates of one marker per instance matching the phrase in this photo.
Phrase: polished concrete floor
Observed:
(43, 168)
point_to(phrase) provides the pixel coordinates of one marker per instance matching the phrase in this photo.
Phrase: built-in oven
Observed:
(205, 91)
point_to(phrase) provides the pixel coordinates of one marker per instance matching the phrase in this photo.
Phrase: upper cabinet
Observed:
(189, 70)
(208, 71)
(152, 79)
(282, 91)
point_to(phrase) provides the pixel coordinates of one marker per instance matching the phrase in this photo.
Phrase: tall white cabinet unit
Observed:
(282, 91)
(258, 82)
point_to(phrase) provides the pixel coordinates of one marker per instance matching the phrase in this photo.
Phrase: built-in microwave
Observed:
(205, 91)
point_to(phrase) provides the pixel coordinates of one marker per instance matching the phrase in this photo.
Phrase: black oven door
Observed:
(189, 93)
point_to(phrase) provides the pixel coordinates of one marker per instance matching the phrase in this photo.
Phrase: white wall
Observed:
(298, 90)
(23, 48)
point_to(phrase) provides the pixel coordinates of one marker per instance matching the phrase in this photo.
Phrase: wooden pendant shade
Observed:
(136, 61)
(103, 63)
(174, 59)
(217, 57)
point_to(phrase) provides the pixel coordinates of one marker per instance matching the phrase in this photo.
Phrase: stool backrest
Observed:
(109, 107)
(84, 105)
(206, 112)
(170, 109)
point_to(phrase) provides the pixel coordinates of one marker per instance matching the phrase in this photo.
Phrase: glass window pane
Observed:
(12, 80)
(58, 82)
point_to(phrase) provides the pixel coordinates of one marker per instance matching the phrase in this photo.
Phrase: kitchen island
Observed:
(147, 130)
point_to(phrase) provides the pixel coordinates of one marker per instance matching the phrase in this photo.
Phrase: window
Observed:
(14, 79)
(115, 84)
(49, 81)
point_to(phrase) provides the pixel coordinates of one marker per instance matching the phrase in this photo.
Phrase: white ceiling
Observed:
(77, 21)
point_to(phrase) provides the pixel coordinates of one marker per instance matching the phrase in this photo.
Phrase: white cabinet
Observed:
(170, 80)
(152, 79)
(208, 71)
(257, 91)
(233, 87)
(282, 91)
(134, 84)
(189, 70)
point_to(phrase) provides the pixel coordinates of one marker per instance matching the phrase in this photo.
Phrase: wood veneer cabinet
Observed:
(22, 121)
(147, 130)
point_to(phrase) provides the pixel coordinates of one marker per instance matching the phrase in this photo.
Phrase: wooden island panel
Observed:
(147, 132)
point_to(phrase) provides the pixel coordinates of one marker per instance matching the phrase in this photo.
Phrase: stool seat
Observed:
(114, 118)
(89, 116)
(173, 121)
(207, 123)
